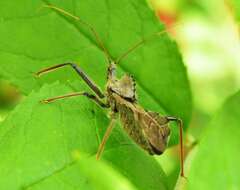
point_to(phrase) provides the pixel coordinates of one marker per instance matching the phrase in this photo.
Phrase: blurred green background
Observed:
(208, 38)
(207, 33)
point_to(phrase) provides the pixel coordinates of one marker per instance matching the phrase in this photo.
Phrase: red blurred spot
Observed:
(166, 18)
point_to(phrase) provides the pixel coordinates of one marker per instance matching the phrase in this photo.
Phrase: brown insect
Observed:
(147, 128)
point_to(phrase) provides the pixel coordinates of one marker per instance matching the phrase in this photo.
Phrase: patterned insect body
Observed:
(148, 129)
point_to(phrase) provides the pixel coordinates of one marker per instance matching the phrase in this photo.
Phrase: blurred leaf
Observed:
(235, 4)
(83, 174)
(216, 163)
(9, 95)
(33, 39)
(39, 143)
(170, 162)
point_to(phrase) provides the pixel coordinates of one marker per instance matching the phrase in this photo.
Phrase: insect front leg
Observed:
(79, 71)
(86, 94)
(106, 135)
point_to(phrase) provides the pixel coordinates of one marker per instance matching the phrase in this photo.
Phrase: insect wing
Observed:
(156, 130)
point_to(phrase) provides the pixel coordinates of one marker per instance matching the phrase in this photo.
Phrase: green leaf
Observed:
(40, 142)
(83, 174)
(216, 163)
(33, 39)
(236, 8)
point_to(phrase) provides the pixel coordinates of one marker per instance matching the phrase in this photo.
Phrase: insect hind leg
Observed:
(180, 124)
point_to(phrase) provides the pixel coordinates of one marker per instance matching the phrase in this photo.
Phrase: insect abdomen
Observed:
(132, 127)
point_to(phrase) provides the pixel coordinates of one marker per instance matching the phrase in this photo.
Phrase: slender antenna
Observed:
(180, 124)
(94, 32)
(142, 41)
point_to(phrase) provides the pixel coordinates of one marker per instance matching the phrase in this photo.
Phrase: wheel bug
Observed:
(147, 128)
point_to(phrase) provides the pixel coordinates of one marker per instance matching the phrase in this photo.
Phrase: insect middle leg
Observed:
(106, 135)
(86, 94)
(79, 71)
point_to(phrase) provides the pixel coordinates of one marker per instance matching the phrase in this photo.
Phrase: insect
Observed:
(147, 128)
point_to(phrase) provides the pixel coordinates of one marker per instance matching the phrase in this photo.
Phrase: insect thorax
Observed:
(125, 87)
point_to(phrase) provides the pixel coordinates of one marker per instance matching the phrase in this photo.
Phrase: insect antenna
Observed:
(180, 124)
(94, 32)
(142, 41)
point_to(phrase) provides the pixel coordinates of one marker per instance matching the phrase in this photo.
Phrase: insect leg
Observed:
(106, 135)
(86, 94)
(80, 72)
(180, 124)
